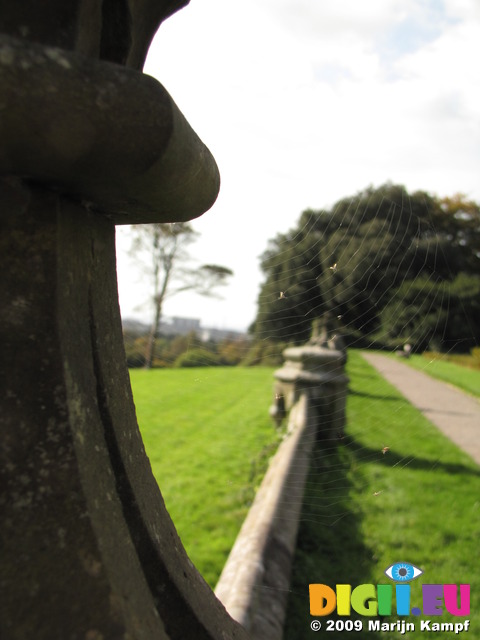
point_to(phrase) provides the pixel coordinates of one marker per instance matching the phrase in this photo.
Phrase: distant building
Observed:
(179, 326)
(176, 326)
(217, 335)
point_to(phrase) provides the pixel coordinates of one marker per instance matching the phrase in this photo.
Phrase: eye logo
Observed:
(403, 572)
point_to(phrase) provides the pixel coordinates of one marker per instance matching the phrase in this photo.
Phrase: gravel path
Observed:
(454, 412)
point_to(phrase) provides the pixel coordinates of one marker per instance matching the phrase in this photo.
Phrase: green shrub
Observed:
(233, 351)
(134, 350)
(266, 353)
(198, 357)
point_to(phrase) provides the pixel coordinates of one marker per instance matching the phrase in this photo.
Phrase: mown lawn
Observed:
(419, 502)
(209, 436)
(460, 376)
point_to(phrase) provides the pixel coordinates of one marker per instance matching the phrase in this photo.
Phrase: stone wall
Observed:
(310, 392)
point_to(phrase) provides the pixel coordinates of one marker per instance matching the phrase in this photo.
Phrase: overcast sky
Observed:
(304, 102)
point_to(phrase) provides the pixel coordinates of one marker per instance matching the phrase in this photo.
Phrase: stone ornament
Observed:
(87, 550)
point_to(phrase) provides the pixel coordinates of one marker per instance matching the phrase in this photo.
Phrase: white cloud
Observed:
(305, 102)
(335, 19)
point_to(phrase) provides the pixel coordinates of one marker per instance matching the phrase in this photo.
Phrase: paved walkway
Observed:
(454, 412)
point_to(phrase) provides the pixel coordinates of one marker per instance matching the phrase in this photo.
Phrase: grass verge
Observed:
(462, 377)
(209, 437)
(364, 510)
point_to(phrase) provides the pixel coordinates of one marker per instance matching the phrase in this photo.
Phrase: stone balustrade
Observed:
(310, 394)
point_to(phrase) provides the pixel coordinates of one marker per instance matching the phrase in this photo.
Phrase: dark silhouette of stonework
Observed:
(88, 551)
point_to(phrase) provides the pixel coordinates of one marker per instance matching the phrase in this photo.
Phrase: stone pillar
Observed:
(87, 548)
(316, 370)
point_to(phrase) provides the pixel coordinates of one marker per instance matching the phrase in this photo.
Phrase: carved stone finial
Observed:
(102, 133)
(87, 547)
(326, 333)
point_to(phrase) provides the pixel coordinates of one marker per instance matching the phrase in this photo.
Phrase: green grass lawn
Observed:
(419, 502)
(462, 377)
(209, 436)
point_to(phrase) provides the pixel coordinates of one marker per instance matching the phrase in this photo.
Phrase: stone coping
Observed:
(255, 581)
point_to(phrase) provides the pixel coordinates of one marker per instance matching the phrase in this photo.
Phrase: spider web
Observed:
(419, 264)
(366, 477)
(357, 475)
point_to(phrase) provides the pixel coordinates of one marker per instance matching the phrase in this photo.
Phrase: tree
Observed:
(363, 254)
(458, 219)
(290, 296)
(417, 314)
(232, 351)
(438, 316)
(162, 248)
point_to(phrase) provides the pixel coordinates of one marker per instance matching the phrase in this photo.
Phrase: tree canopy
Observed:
(162, 249)
(392, 266)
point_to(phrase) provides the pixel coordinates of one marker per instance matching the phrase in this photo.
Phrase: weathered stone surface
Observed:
(87, 549)
(318, 369)
(87, 544)
(115, 30)
(108, 136)
(310, 391)
(255, 581)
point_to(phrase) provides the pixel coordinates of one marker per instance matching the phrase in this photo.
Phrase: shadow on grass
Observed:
(373, 396)
(330, 547)
(363, 453)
